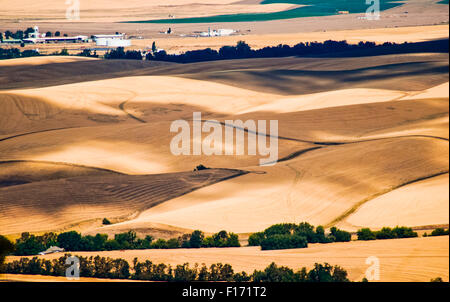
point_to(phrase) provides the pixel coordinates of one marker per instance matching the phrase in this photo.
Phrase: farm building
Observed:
(117, 40)
(36, 37)
(52, 250)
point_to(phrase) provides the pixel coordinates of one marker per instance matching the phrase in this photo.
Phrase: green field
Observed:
(314, 8)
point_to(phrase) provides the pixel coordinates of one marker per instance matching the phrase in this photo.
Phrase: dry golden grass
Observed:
(423, 203)
(22, 172)
(317, 187)
(66, 202)
(410, 260)
(375, 123)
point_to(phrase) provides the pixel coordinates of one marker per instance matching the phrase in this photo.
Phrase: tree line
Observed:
(290, 235)
(29, 244)
(386, 233)
(335, 48)
(103, 267)
(13, 53)
(20, 34)
(437, 232)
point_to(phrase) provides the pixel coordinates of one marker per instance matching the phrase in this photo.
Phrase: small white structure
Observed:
(218, 33)
(52, 250)
(117, 40)
(115, 36)
(113, 42)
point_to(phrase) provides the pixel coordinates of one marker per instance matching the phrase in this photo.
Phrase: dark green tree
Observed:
(196, 239)
(6, 247)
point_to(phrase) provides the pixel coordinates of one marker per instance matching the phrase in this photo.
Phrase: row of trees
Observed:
(101, 267)
(29, 244)
(386, 233)
(438, 232)
(13, 53)
(243, 51)
(120, 53)
(290, 235)
(20, 34)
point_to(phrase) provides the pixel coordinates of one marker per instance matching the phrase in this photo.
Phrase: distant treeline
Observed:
(397, 232)
(330, 48)
(279, 236)
(20, 34)
(13, 53)
(386, 233)
(120, 53)
(73, 241)
(437, 232)
(101, 267)
(290, 235)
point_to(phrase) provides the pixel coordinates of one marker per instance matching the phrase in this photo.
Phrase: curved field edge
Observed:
(364, 201)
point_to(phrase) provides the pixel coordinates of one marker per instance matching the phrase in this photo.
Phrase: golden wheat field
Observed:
(363, 141)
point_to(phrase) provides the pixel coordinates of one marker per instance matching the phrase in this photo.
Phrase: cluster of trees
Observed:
(120, 53)
(101, 267)
(12, 53)
(290, 235)
(88, 53)
(386, 233)
(198, 240)
(438, 232)
(243, 51)
(29, 244)
(20, 34)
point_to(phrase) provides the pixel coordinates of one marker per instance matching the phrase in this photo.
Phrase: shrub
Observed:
(320, 236)
(196, 239)
(282, 229)
(255, 239)
(222, 239)
(273, 273)
(404, 232)
(280, 242)
(173, 243)
(28, 245)
(385, 233)
(119, 53)
(340, 236)
(327, 273)
(439, 232)
(70, 241)
(200, 168)
(366, 234)
(304, 229)
(160, 244)
(106, 221)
